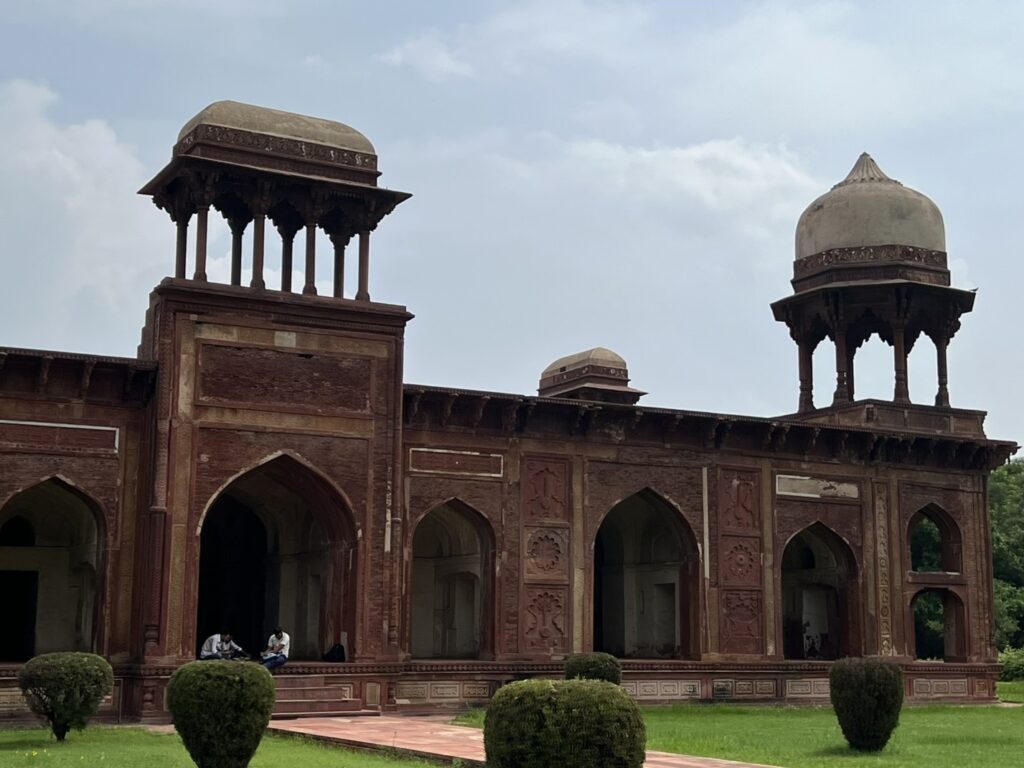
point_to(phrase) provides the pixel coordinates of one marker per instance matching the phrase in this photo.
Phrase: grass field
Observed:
(130, 747)
(806, 737)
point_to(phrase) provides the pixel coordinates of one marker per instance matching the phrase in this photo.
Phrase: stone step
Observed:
(340, 713)
(298, 681)
(321, 692)
(317, 705)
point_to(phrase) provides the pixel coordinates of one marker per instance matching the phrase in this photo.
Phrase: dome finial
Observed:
(865, 170)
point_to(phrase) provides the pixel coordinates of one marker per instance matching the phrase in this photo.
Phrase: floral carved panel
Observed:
(547, 554)
(741, 621)
(545, 619)
(545, 485)
(740, 561)
(739, 507)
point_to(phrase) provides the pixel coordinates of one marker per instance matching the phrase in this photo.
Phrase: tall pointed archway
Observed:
(820, 607)
(277, 547)
(452, 592)
(646, 567)
(51, 565)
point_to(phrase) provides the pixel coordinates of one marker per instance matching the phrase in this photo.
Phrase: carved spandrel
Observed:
(545, 489)
(738, 502)
(545, 619)
(547, 554)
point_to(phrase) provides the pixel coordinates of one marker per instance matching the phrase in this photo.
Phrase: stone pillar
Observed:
(203, 212)
(258, 231)
(237, 225)
(806, 377)
(901, 393)
(339, 240)
(309, 289)
(942, 396)
(842, 393)
(181, 247)
(363, 294)
(850, 354)
(287, 233)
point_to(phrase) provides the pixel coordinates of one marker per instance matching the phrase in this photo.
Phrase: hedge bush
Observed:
(1012, 660)
(593, 666)
(66, 688)
(867, 695)
(565, 723)
(220, 710)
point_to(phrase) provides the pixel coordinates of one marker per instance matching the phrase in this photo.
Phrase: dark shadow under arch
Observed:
(934, 541)
(646, 599)
(277, 546)
(940, 625)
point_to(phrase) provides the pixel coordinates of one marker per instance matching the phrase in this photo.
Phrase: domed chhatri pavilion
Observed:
(261, 462)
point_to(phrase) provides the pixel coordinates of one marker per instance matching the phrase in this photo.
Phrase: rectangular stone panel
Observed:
(432, 460)
(925, 688)
(372, 694)
(444, 690)
(815, 487)
(739, 501)
(739, 561)
(740, 628)
(301, 381)
(411, 691)
(476, 690)
(74, 437)
(546, 619)
(546, 554)
(807, 687)
(662, 690)
(723, 689)
(545, 488)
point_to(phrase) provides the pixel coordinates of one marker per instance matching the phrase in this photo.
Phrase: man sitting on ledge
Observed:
(220, 646)
(276, 653)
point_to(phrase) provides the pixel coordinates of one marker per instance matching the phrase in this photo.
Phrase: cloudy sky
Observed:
(584, 173)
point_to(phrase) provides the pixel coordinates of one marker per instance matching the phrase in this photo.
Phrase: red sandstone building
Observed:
(262, 461)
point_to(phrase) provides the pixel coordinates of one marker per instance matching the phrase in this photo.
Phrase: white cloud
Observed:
(79, 247)
(430, 56)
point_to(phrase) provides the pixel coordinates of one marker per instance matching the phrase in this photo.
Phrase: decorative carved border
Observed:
(868, 254)
(278, 145)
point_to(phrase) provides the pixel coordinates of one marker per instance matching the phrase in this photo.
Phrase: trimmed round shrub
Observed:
(594, 666)
(1012, 660)
(565, 723)
(867, 695)
(220, 710)
(66, 688)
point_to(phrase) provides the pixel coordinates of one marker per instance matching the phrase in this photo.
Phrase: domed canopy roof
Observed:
(868, 208)
(274, 122)
(596, 356)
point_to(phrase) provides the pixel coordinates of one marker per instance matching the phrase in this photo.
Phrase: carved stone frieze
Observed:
(884, 585)
(869, 254)
(279, 145)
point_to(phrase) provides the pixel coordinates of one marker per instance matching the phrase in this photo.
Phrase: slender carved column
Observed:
(339, 239)
(309, 289)
(237, 225)
(850, 354)
(181, 247)
(806, 377)
(942, 396)
(202, 215)
(287, 231)
(842, 393)
(901, 392)
(363, 294)
(258, 232)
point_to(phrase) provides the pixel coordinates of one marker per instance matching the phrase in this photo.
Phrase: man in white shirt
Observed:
(278, 646)
(220, 646)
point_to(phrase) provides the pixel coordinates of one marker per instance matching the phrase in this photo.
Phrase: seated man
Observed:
(276, 653)
(220, 646)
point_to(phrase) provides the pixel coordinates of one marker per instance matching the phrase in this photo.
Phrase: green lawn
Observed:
(1011, 691)
(130, 747)
(808, 737)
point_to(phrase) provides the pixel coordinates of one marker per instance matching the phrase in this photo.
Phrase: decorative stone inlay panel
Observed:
(741, 621)
(925, 688)
(739, 501)
(444, 690)
(662, 689)
(545, 620)
(547, 554)
(545, 489)
(741, 561)
(411, 691)
(455, 462)
(807, 688)
(815, 487)
(882, 556)
(476, 690)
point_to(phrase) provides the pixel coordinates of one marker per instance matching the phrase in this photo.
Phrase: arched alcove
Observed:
(933, 538)
(939, 626)
(819, 601)
(277, 548)
(51, 558)
(452, 595)
(646, 568)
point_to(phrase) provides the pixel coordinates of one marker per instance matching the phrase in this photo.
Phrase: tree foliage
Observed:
(66, 688)
(1006, 499)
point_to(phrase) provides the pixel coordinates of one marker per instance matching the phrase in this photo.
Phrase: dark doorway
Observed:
(232, 575)
(19, 594)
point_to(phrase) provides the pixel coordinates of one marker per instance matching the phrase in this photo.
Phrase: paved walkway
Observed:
(434, 738)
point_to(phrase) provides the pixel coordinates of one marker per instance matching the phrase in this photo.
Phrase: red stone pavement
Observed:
(434, 738)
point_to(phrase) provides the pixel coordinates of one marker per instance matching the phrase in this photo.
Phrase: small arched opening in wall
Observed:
(934, 541)
(646, 571)
(452, 584)
(819, 596)
(278, 547)
(939, 626)
(51, 557)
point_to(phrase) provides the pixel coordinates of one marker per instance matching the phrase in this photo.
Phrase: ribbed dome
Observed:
(868, 208)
